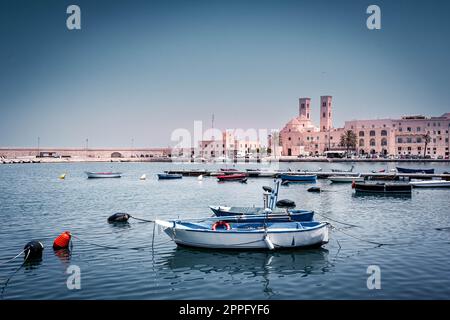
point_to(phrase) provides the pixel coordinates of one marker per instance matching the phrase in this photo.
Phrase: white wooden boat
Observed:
(92, 175)
(431, 184)
(253, 235)
(345, 179)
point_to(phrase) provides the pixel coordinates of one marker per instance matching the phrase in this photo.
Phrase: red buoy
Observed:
(353, 184)
(62, 241)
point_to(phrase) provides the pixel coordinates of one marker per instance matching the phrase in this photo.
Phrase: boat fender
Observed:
(33, 249)
(119, 217)
(62, 241)
(224, 224)
(269, 243)
(353, 184)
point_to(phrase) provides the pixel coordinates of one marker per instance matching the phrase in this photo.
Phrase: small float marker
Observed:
(143, 177)
(63, 176)
(200, 177)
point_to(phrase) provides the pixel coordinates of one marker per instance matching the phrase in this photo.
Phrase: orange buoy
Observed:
(353, 184)
(62, 241)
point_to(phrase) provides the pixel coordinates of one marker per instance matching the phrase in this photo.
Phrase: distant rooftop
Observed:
(413, 117)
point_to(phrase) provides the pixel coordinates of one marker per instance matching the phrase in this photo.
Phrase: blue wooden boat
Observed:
(258, 214)
(298, 178)
(411, 170)
(167, 176)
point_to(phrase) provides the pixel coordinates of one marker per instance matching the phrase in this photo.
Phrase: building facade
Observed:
(401, 137)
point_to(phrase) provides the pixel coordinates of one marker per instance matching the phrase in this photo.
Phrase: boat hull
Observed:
(99, 175)
(249, 239)
(338, 179)
(383, 188)
(298, 178)
(232, 177)
(410, 170)
(166, 176)
(431, 184)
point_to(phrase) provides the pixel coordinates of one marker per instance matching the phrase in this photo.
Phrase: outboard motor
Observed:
(119, 217)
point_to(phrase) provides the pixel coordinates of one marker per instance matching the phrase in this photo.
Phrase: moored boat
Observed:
(232, 177)
(259, 213)
(169, 176)
(298, 177)
(411, 170)
(383, 187)
(345, 179)
(92, 175)
(431, 184)
(253, 235)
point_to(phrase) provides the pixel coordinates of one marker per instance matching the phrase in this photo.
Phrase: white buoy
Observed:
(143, 177)
(200, 177)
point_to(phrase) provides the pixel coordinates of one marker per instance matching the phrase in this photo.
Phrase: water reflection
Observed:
(63, 255)
(254, 264)
(374, 195)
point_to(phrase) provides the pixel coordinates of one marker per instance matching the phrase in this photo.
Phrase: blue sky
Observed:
(140, 69)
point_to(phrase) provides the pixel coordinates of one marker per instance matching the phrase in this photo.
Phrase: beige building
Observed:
(400, 137)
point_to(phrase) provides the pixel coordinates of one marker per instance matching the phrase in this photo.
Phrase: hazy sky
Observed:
(140, 69)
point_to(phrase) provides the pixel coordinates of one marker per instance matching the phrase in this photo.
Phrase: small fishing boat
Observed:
(233, 177)
(298, 177)
(94, 175)
(431, 184)
(410, 170)
(383, 187)
(340, 170)
(143, 177)
(259, 213)
(251, 235)
(345, 179)
(168, 176)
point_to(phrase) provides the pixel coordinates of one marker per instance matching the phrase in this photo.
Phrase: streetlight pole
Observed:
(38, 146)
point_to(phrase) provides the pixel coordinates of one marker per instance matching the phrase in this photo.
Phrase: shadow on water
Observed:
(255, 264)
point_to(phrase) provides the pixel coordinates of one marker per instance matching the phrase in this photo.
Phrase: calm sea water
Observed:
(35, 204)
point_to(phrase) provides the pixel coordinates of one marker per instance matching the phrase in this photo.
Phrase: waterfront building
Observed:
(402, 137)
(229, 146)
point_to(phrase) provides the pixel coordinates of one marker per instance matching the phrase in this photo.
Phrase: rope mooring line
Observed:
(5, 262)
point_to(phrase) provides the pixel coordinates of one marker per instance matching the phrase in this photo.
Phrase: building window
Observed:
(323, 115)
(418, 129)
(384, 142)
(329, 114)
(419, 140)
(372, 133)
(400, 129)
(361, 133)
(324, 104)
(408, 129)
(302, 105)
(399, 148)
(372, 142)
(408, 140)
(399, 140)
(361, 142)
(383, 133)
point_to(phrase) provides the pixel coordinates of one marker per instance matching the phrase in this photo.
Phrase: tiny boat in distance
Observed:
(344, 179)
(233, 177)
(92, 175)
(169, 176)
(431, 184)
(383, 187)
(298, 178)
(410, 170)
